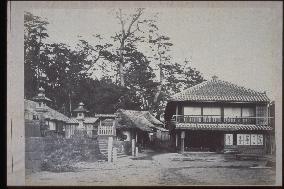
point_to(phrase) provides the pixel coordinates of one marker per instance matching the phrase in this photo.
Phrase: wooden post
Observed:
(182, 136)
(176, 139)
(133, 147)
(136, 151)
(109, 147)
(114, 155)
(136, 137)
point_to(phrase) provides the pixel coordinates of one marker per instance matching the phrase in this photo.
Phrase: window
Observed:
(248, 112)
(35, 117)
(232, 112)
(212, 111)
(261, 111)
(191, 110)
(228, 139)
(212, 114)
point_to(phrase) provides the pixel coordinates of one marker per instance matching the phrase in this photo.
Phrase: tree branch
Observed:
(134, 19)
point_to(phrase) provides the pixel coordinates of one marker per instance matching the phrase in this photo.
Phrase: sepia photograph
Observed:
(144, 93)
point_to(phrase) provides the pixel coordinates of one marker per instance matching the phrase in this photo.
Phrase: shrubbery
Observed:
(61, 154)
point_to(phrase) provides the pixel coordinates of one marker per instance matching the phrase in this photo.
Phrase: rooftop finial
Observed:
(81, 104)
(214, 77)
(41, 89)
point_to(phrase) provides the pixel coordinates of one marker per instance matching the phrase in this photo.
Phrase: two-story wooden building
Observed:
(217, 115)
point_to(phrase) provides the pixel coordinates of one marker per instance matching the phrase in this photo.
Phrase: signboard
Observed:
(240, 139)
(253, 139)
(259, 139)
(249, 139)
(228, 139)
(246, 139)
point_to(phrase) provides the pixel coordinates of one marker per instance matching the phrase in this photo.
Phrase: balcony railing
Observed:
(220, 119)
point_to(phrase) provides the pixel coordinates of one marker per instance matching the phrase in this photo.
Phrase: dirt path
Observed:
(160, 169)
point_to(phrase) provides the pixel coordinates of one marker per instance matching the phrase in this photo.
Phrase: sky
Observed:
(242, 45)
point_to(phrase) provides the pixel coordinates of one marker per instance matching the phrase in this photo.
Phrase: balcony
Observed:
(215, 119)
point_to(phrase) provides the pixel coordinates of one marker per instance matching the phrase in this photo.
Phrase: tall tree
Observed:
(140, 78)
(35, 32)
(126, 36)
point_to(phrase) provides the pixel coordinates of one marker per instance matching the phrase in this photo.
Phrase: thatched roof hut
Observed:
(141, 120)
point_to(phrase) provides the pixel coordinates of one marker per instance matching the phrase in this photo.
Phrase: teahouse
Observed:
(217, 115)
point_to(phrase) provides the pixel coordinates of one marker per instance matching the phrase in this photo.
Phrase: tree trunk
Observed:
(70, 104)
(159, 88)
(38, 63)
(121, 64)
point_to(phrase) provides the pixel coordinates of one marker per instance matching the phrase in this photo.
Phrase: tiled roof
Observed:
(49, 114)
(221, 127)
(218, 90)
(42, 98)
(80, 109)
(105, 115)
(73, 121)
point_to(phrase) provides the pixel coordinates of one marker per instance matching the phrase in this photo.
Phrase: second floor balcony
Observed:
(220, 119)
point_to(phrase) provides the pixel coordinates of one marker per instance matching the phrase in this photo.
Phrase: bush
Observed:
(61, 154)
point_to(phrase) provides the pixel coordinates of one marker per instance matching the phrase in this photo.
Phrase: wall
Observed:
(34, 153)
(32, 128)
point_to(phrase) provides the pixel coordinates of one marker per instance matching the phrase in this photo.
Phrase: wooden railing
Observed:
(220, 119)
(106, 130)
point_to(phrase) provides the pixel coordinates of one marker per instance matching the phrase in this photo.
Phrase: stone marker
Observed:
(136, 151)
(109, 149)
(114, 155)
(133, 147)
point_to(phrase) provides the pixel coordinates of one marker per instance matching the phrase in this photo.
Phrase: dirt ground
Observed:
(152, 169)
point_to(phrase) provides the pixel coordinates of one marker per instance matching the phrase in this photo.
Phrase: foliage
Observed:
(61, 154)
(131, 78)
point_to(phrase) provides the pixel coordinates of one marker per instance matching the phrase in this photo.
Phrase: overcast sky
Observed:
(238, 44)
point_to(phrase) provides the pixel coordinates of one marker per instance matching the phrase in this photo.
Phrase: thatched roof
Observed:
(141, 120)
(90, 119)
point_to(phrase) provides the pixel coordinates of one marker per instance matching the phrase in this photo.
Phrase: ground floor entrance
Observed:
(212, 141)
(243, 141)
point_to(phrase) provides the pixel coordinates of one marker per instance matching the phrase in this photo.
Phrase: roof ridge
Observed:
(219, 90)
(242, 87)
(192, 87)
